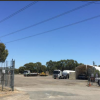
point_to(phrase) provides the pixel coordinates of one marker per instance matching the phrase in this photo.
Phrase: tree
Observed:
(16, 71)
(51, 66)
(34, 67)
(80, 64)
(68, 64)
(98, 65)
(30, 66)
(21, 69)
(3, 52)
(95, 65)
(38, 67)
(43, 68)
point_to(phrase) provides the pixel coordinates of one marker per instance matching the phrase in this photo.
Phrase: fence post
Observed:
(13, 67)
(2, 80)
(5, 75)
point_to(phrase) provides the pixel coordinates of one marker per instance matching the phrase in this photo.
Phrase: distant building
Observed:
(85, 69)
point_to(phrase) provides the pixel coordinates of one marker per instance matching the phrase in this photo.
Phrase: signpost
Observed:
(2, 78)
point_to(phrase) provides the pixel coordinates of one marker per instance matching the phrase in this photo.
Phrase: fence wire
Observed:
(7, 74)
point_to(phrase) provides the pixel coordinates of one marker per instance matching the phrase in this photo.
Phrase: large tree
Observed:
(21, 69)
(38, 67)
(68, 64)
(43, 68)
(16, 71)
(30, 66)
(51, 66)
(3, 52)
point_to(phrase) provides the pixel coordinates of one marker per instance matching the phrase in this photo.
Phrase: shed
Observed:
(85, 69)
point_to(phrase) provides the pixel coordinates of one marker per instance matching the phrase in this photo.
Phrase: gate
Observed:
(7, 74)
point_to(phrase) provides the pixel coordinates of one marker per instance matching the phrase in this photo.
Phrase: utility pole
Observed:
(86, 69)
(93, 71)
(93, 66)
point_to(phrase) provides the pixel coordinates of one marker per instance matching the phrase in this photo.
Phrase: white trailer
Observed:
(28, 73)
(66, 73)
(61, 74)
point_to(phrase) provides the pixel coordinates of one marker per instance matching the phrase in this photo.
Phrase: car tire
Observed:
(60, 77)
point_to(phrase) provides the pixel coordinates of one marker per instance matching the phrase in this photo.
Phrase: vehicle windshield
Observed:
(25, 71)
(56, 72)
(82, 75)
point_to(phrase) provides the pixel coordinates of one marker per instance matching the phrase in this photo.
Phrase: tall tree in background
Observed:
(30, 66)
(16, 71)
(21, 69)
(43, 68)
(38, 66)
(68, 64)
(51, 66)
(3, 52)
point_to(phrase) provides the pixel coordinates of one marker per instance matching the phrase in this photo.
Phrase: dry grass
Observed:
(7, 91)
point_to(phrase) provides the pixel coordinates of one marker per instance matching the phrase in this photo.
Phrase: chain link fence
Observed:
(7, 74)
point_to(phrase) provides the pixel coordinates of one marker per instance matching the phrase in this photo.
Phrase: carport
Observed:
(85, 69)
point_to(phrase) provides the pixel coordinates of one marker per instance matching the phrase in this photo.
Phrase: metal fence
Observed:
(7, 74)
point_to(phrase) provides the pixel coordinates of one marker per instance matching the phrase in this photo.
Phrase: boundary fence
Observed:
(7, 74)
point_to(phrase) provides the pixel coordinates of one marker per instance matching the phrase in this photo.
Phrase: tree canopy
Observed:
(33, 67)
(3, 52)
(68, 64)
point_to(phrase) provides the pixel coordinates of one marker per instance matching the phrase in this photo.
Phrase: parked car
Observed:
(82, 76)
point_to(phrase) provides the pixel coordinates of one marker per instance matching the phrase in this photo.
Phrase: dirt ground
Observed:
(6, 91)
(38, 81)
(47, 88)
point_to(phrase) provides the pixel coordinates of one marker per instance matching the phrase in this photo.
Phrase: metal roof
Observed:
(96, 67)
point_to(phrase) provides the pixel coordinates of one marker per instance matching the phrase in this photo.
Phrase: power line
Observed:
(94, 2)
(49, 19)
(56, 28)
(97, 3)
(22, 9)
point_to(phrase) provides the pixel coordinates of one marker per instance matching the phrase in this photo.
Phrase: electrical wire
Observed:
(97, 3)
(77, 8)
(56, 28)
(94, 2)
(22, 9)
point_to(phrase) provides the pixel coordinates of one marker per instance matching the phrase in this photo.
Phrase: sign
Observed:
(3, 71)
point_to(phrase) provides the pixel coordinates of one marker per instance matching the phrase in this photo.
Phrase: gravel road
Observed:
(47, 88)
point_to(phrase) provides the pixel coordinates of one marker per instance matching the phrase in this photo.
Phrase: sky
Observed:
(79, 42)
